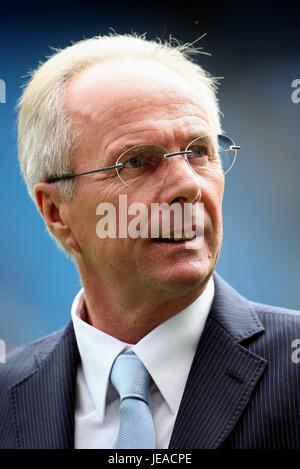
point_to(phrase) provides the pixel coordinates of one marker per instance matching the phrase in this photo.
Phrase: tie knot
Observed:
(130, 377)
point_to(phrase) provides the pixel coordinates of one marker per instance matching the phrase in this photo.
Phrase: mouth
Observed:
(178, 238)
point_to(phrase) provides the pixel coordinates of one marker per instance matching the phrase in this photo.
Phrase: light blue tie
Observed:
(132, 381)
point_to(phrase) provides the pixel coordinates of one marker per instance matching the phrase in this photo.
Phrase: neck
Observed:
(129, 316)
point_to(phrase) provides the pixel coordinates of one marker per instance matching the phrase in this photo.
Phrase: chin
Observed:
(186, 277)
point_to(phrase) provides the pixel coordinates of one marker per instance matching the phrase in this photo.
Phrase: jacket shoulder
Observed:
(23, 361)
(21, 364)
(281, 338)
(276, 315)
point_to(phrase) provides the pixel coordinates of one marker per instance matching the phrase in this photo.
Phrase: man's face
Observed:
(133, 103)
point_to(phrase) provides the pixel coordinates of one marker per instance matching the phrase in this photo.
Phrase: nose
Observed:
(182, 184)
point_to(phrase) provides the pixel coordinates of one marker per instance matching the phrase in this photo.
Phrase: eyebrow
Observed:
(200, 135)
(188, 140)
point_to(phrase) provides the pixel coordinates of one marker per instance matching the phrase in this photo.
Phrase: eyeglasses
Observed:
(148, 165)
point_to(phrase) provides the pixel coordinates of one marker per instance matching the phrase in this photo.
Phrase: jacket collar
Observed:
(233, 312)
(223, 375)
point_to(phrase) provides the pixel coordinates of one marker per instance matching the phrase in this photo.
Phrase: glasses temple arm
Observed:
(82, 173)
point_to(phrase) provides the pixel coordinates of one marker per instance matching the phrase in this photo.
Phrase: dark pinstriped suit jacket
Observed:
(243, 390)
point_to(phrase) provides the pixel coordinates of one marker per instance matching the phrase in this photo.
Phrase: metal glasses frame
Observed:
(116, 166)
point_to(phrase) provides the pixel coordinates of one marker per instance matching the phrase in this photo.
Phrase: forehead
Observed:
(133, 99)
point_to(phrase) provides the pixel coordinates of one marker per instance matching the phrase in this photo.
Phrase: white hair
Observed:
(45, 135)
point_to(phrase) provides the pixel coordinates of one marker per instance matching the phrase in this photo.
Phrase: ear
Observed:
(53, 208)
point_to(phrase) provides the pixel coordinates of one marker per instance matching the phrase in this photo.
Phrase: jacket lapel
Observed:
(44, 402)
(223, 374)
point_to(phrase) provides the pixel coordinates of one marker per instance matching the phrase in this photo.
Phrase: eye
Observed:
(134, 162)
(202, 150)
(198, 151)
(146, 157)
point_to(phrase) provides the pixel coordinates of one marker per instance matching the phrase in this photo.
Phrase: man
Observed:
(160, 352)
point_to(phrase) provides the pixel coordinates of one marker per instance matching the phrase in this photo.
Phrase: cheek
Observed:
(217, 192)
(212, 199)
(84, 220)
(120, 248)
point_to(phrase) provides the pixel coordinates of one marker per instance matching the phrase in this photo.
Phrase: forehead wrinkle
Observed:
(129, 117)
(134, 124)
(148, 126)
(156, 134)
(153, 108)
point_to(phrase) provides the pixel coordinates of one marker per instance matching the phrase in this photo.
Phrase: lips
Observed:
(173, 239)
(178, 237)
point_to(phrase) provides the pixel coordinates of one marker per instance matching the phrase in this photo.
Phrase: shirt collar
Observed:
(167, 351)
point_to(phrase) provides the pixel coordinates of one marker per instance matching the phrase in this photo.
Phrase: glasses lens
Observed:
(226, 153)
(204, 155)
(143, 166)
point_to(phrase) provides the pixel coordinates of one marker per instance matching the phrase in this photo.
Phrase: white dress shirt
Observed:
(167, 352)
